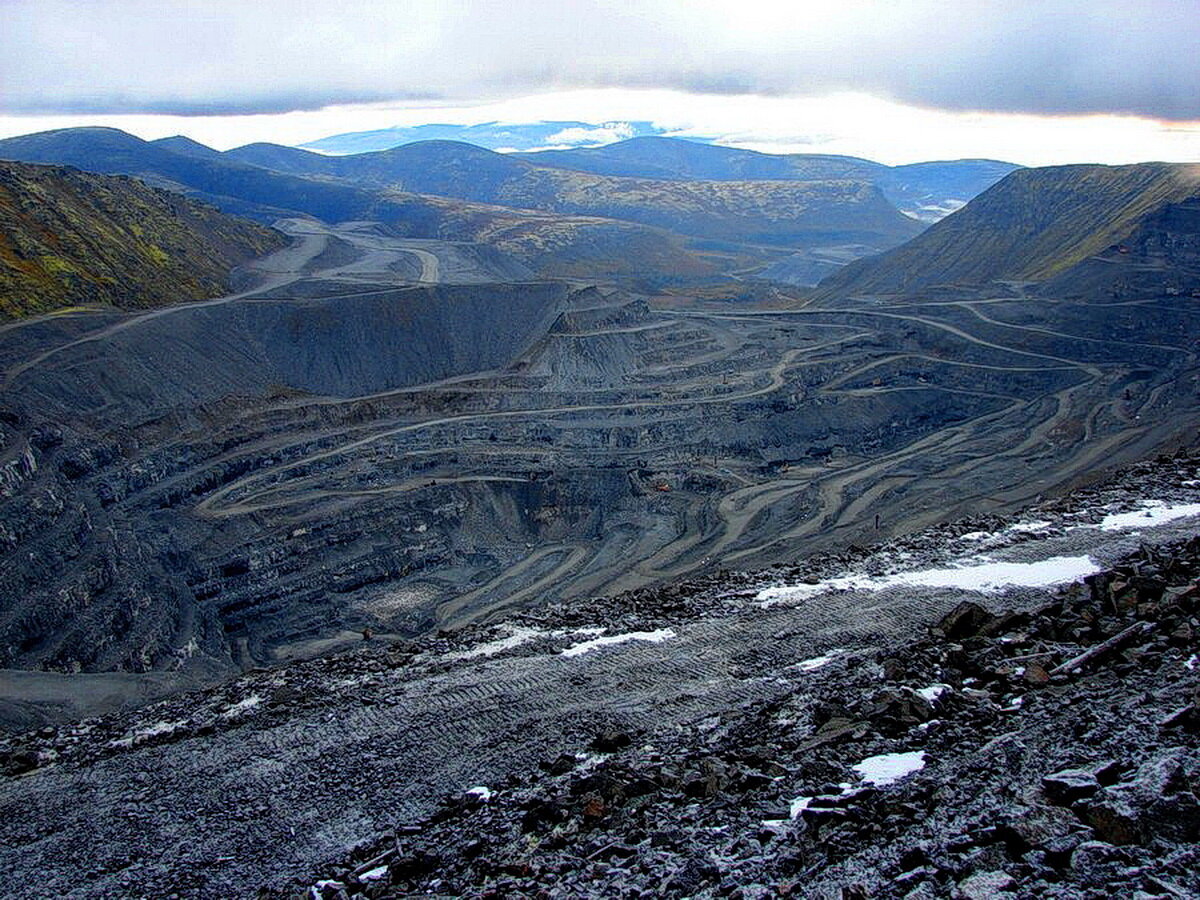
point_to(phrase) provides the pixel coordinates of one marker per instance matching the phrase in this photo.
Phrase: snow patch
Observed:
(517, 635)
(373, 874)
(981, 574)
(810, 665)
(655, 637)
(1029, 527)
(1153, 512)
(889, 767)
(799, 805)
(242, 705)
(934, 691)
(483, 793)
(1192, 662)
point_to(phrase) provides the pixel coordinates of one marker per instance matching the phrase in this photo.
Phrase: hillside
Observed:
(68, 237)
(232, 186)
(832, 203)
(926, 190)
(1032, 226)
(588, 245)
(1160, 256)
(661, 157)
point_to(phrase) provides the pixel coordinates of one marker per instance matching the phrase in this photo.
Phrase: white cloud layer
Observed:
(1031, 81)
(608, 133)
(205, 57)
(851, 124)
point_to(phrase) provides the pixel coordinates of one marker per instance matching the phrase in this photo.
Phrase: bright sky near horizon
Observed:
(1032, 82)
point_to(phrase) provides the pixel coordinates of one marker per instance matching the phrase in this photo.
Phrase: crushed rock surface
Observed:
(718, 750)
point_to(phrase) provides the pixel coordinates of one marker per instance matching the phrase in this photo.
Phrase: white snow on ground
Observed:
(242, 705)
(809, 665)
(1153, 512)
(148, 732)
(159, 728)
(517, 635)
(981, 574)
(374, 874)
(483, 793)
(1029, 527)
(934, 691)
(656, 637)
(889, 767)
(799, 805)
(1192, 661)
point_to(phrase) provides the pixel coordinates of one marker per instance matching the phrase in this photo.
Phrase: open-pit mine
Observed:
(390, 436)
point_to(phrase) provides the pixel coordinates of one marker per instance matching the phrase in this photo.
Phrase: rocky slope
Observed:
(1160, 256)
(879, 722)
(1034, 225)
(69, 238)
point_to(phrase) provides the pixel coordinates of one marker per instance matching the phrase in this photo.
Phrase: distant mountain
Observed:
(457, 191)
(492, 135)
(68, 238)
(930, 191)
(794, 213)
(927, 191)
(676, 158)
(1034, 225)
(557, 245)
(232, 186)
(187, 147)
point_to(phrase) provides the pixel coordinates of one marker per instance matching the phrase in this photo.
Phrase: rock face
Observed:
(70, 238)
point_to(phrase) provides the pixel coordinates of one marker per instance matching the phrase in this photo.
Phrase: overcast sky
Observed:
(1035, 81)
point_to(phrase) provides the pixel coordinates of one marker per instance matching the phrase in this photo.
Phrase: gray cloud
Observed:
(229, 57)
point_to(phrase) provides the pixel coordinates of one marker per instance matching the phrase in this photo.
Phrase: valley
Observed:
(699, 451)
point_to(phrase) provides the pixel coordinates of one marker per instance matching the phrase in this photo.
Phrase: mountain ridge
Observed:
(1032, 226)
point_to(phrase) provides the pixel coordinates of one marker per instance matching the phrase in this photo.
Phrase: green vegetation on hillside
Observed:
(69, 238)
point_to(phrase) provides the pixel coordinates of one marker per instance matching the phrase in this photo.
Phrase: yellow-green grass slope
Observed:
(69, 238)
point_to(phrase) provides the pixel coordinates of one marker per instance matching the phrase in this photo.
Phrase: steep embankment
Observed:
(1160, 256)
(1033, 225)
(67, 237)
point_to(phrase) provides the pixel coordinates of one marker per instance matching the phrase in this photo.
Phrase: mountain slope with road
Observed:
(556, 244)
(70, 238)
